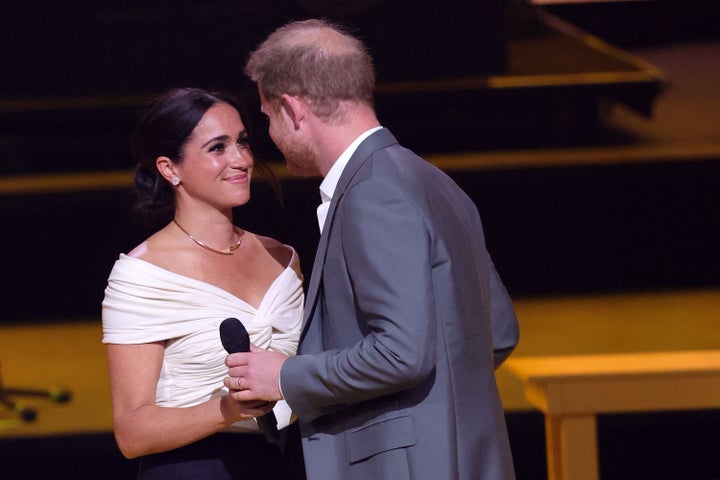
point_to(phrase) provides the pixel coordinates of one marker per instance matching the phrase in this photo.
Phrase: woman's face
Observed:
(217, 162)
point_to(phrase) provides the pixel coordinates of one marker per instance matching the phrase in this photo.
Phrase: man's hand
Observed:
(254, 375)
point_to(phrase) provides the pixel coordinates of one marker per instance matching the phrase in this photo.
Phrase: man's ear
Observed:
(294, 108)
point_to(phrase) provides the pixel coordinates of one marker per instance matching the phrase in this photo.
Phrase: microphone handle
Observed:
(235, 339)
(268, 426)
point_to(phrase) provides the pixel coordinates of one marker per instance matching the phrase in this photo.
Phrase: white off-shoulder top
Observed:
(145, 303)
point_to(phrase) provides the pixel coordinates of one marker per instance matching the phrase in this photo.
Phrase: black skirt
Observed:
(229, 456)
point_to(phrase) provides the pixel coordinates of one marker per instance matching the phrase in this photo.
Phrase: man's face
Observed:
(301, 158)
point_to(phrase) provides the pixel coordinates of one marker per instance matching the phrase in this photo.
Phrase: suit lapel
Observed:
(380, 139)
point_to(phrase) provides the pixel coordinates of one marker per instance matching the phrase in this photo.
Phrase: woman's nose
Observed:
(243, 157)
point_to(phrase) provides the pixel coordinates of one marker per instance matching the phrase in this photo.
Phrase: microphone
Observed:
(235, 338)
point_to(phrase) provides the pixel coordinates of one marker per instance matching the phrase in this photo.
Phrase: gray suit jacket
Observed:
(406, 320)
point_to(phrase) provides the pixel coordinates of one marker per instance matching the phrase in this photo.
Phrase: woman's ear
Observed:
(294, 108)
(166, 167)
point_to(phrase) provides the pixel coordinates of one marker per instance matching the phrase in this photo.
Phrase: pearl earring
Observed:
(175, 181)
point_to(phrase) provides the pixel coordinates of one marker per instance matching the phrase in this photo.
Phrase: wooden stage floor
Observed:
(70, 355)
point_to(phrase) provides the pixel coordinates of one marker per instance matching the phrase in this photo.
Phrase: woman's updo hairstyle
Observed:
(164, 129)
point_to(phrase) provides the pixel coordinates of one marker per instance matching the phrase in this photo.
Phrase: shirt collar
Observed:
(329, 183)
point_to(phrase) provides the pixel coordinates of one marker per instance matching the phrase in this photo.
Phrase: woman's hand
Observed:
(237, 410)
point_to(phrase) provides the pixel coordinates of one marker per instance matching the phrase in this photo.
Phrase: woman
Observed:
(167, 297)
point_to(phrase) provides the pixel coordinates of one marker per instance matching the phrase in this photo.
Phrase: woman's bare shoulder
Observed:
(279, 251)
(159, 248)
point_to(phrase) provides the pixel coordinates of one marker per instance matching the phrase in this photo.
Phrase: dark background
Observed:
(76, 76)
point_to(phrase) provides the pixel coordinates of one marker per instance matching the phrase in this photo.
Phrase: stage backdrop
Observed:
(140, 46)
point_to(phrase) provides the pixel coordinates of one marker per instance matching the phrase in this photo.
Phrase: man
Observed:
(406, 318)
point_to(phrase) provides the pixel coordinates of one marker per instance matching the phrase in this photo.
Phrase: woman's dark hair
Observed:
(164, 129)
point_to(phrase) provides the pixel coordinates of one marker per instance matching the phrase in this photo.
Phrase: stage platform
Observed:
(69, 355)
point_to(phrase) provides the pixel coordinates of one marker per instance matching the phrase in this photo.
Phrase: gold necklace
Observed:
(225, 251)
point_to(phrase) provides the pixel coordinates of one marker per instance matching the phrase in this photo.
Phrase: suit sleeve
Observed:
(505, 328)
(386, 251)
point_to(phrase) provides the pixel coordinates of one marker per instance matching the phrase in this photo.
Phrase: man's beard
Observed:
(301, 159)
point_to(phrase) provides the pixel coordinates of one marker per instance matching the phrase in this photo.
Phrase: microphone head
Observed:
(234, 336)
